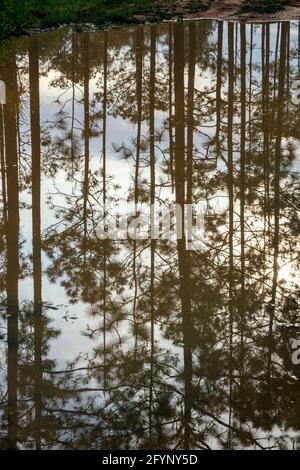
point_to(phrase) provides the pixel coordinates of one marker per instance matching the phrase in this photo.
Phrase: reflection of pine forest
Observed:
(145, 344)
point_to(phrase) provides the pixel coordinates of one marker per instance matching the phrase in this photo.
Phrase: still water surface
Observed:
(109, 344)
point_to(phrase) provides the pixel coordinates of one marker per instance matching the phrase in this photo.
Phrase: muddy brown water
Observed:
(114, 343)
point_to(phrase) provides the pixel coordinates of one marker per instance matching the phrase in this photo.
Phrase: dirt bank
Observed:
(238, 10)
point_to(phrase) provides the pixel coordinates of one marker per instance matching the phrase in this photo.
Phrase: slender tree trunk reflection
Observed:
(36, 231)
(231, 211)
(183, 260)
(12, 246)
(152, 201)
(277, 170)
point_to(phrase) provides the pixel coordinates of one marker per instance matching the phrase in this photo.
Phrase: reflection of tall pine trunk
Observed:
(266, 124)
(262, 49)
(275, 72)
(104, 105)
(190, 109)
(181, 242)
(231, 208)
(86, 98)
(299, 47)
(279, 123)
(288, 74)
(12, 243)
(2, 165)
(36, 229)
(242, 188)
(74, 52)
(171, 145)
(152, 202)
(265, 60)
(219, 86)
(139, 90)
(250, 110)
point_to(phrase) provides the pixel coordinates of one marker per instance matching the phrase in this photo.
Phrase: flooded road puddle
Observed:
(122, 336)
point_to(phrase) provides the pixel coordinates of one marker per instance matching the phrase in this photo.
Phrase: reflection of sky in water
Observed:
(119, 131)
